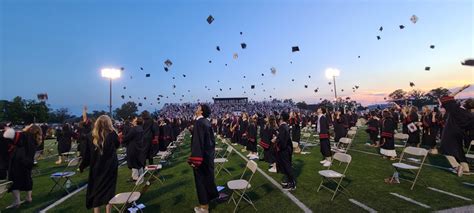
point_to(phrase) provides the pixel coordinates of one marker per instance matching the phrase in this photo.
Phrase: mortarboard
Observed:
(378, 37)
(243, 45)
(168, 63)
(252, 87)
(218, 48)
(401, 27)
(381, 28)
(432, 46)
(412, 84)
(147, 75)
(210, 19)
(166, 69)
(427, 68)
(414, 19)
(468, 62)
(295, 49)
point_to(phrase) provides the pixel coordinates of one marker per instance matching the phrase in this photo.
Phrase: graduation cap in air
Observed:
(414, 19)
(42, 96)
(401, 27)
(378, 37)
(124, 87)
(291, 62)
(139, 104)
(358, 56)
(166, 69)
(184, 76)
(173, 78)
(122, 68)
(273, 70)
(295, 49)
(329, 83)
(141, 68)
(220, 89)
(320, 99)
(263, 74)
(174, 93)
(129, 96)
(432, 46)
(385, 98)
(381, 28)
(218, 48)
(468, 62)
(157, 99)
(147, 75)
(243, 45)
(357, 87)
(309, 76)
(240, 33)
(168, 63)
(262, 84)
(210, 19)
(412, 84)
(226, 65)
(292, 79)
(189, 90)
(342, 90)
(144, 98)
(244, 76)
(235, 56)
(131, 77)
(427, 68)
(210, 61)
(305, 86)
(174, 86)
(230, 88)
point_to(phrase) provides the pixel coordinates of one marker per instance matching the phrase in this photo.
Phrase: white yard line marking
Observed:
(63, 199)
(469, 184)
(449, 193)
(458, 209)
(274, 182)
(361, 205)
(410, 200)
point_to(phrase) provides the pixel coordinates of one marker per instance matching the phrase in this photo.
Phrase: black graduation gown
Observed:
(21, 162)
(386, 134)
(202, 157)
(285, 151)
(267, 145)
(150, 139)
(4, 156)
(167, 135)
(295, 130)
(413, 137)
(243, 129)
(252, 138)
(102, 172)
(82, 139)
(64, 141)
(235, 129)
(135, 149)
(340, 126)
(458, 121)
(430, 131)
(373, 129)
(325, 145)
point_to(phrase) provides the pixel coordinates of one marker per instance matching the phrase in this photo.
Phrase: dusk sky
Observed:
(59, 47)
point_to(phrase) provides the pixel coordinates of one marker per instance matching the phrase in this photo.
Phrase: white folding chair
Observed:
(342, 146)
(306, 142)
(352, 133)
(241, 186)
(353, 128)
(4, 186)
(410, 164)
(66, 175)
(468, 153)
(126, 198)
(331, 176)
(220, 162)
(401, 137)
(154, 172)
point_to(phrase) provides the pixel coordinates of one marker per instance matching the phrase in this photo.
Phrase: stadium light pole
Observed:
(111, 74)
(333, 73)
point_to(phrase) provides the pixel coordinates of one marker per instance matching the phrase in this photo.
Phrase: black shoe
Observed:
(284, 184)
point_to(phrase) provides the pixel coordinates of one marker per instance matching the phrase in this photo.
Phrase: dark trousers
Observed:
(325, 146)
(205, 184)
(284, 165)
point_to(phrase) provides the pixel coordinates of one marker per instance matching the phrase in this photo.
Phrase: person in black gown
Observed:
(413, 134)
(373, 128)
(459, 120)
(101, 158)
(252, 138)
(268, 144)
(4, 157)
(387, 129)
(22, 160)
(322, 129)
(64, 141)
(202, 159)
(84, 131)
(429, 122)
(285, 152)
(295, 129)
(340, 125)
(133, 140)
(150, 136)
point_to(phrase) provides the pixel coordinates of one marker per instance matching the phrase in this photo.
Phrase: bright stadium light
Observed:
(111, 73)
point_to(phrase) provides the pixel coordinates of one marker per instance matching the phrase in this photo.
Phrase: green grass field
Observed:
(365, 181)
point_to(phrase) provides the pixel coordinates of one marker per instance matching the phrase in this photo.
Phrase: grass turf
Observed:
(364, 181)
